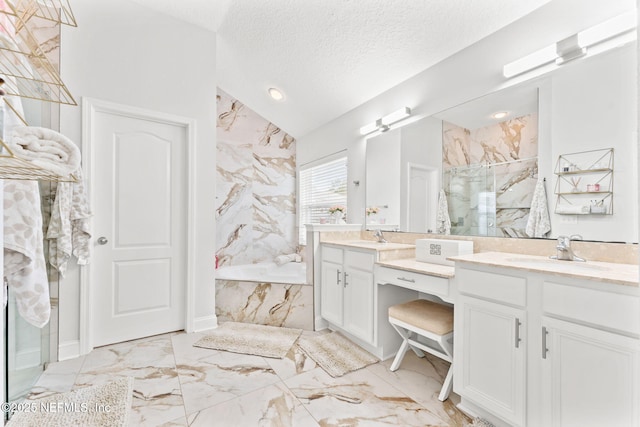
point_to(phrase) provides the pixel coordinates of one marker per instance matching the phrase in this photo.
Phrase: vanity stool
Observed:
(429, 320)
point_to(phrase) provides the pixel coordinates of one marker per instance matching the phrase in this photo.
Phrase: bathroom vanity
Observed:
(361, 279)
(540, 342)
(537, 342)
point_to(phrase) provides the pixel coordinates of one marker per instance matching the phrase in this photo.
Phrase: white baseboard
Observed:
(205, 323)
(69, 350)
(320, 324)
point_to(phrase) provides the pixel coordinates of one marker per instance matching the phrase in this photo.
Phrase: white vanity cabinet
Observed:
(538, 349)
(347, 290)
(589, 350)
(490, 343)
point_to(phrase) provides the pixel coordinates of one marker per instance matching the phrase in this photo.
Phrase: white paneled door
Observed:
(138, 275)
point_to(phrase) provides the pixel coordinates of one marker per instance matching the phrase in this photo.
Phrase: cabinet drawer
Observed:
(607, 309)
(415, 281)
(332, 254)
(359, 260)
(497, 287)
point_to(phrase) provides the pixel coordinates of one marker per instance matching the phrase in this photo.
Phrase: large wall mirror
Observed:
(489, 165)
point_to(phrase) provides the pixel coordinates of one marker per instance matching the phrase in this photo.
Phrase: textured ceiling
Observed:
(329, 56)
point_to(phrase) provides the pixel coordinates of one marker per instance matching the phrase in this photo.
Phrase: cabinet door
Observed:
(358, 304)
(590, 376)
(490, 357)
(331, 300)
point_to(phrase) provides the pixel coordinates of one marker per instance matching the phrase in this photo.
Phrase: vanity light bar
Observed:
(599, 38)
(382, 124)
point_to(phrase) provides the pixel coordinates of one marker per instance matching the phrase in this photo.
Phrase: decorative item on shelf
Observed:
(592, 188)
(598, 207)
(575, 182)
(337, 212)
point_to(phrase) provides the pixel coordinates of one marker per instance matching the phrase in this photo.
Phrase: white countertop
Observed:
(370, 244)
(621, 274)
(410, 264)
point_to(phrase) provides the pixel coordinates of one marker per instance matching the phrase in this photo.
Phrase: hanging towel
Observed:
(24, 264)
(443, 222)
(68, 229)
(45, 148)
(538, 224)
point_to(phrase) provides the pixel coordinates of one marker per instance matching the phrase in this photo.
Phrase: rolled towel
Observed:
(573, 209)
(45, 148)
(283, 259)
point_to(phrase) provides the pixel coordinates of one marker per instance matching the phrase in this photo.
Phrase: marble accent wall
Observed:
(273, 304)
(256, 216)
(256, 186)
(489, 175)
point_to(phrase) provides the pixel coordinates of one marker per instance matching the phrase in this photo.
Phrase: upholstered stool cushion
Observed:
(424, 314)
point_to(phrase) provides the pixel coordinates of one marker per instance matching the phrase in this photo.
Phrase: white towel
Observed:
(443, 222)
(283, 259)
(24, 264)
(69, 225)
(45, 148)
(538, 224)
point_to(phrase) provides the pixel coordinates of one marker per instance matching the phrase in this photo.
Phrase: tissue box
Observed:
(436, 251)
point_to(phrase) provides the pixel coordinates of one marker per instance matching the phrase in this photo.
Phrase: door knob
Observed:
(102, 241)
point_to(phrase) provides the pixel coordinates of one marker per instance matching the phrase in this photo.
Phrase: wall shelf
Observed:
(584, 184)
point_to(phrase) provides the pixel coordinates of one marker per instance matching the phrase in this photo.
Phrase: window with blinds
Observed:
(320, 187)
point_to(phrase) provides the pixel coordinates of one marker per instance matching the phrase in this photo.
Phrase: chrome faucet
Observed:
(565, 253)
(379, 236)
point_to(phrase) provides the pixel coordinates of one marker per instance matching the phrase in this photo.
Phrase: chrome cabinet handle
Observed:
(338, 273)
(545, 350)
(404, 279)
(345, 279)
(102, 240)
(518, 339)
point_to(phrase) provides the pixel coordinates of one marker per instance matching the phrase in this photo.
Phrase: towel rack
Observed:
(27, 71)
(14, 167)
(50, 10)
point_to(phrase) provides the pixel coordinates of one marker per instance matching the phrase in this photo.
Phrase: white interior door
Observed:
(422, 198)
(138, 273)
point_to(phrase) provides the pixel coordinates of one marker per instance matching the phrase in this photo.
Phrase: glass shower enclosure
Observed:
(490, 199)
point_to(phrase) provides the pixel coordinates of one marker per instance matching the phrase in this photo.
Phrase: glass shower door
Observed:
(27, 352)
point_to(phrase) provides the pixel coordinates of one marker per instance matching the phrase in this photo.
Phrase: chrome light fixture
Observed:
(383, 124)
(607, 35)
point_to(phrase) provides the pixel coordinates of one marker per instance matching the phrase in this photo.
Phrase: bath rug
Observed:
(335, 353)
(95, 406)
(480, 422)
(247, 338)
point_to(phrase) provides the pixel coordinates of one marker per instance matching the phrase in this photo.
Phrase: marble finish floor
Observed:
(177, 384)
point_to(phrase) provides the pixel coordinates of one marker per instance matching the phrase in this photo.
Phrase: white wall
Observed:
(383, 177)
(124, 53)
(471, 73)
(586, 117)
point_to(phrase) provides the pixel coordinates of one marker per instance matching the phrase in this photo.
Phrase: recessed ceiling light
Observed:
(276, 94)
(500, 115)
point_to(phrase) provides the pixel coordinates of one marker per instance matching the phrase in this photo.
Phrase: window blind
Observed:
(320, 187)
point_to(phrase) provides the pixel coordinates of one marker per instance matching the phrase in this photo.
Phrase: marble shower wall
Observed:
(256, 217)
(256, 186)
(489, 176)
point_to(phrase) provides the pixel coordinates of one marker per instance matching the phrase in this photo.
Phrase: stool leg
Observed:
(400, 355)
(446, 385)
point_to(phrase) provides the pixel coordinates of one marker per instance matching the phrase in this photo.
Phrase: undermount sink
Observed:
(557, 264)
